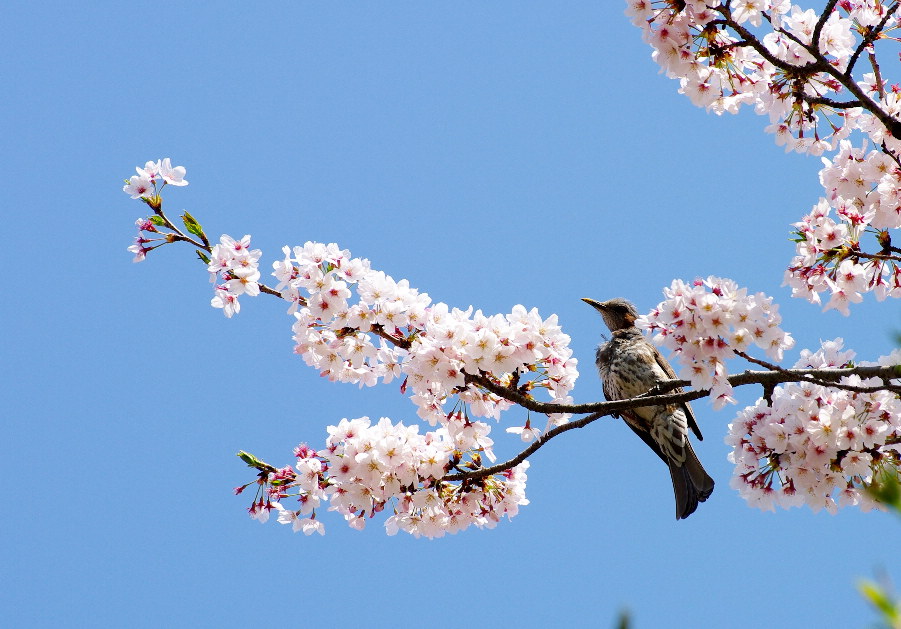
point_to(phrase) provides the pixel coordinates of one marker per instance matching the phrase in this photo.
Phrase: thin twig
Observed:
(522, 456)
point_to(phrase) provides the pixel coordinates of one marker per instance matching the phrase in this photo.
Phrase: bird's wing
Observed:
(686, 407)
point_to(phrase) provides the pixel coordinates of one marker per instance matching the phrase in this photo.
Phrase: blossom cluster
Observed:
(150, 179)
(366, 469)
(345, 312)
(141, 246)
(707, 322)
(237, 266)
(760, 53)
(865, 190)
(817, 445)
(801, 68)
(146, 185)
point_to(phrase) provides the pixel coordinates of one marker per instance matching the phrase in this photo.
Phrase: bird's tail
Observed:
(691, 483)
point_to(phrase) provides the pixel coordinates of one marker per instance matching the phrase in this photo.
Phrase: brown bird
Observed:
(629, 365)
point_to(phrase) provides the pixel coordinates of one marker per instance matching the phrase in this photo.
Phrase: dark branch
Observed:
(658, 395)
(522, 456)
(818, 29)
(767, 379)
(828, 102)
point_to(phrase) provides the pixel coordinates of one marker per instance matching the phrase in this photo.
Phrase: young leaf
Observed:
(191, 224)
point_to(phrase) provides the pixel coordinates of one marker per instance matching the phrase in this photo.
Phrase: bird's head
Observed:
(617, 313)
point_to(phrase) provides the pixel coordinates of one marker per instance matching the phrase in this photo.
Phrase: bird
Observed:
(629, 365)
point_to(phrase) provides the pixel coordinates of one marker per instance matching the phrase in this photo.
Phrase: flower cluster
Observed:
(366, 469)
(150, 179)
(865, 190)
(761, 53)
(140, 247)
(438, 351)
(707, 322)
(816, 445)
(237, 266)
(796, 66)
(146, 186)
(358, 325)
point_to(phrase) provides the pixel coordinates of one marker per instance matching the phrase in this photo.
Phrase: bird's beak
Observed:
(594, 304)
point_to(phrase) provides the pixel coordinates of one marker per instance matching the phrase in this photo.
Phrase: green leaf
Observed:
(798, 236)
(202, 256)
(157, 220)
(191, 224)
(254, 462)
(886, 488)
(880, 599)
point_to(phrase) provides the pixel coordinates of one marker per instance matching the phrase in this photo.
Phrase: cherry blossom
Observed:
(705, 323)
(393, 330)
(806, 71)
(172, 175)
(366, 469)
(139, 186)
(139, 249)
(144, 184)
(238, 266)
(816, 445)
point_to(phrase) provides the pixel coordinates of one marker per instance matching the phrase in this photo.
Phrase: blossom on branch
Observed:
(813, 441)
(366, 469)
(392, 330)
(707, 322)
(806, 71)
(144, 184)
(725, 55)
(864, 188)
(817, 445)
(238, 266)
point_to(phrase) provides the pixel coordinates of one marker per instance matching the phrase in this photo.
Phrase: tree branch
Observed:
(522, 456)
(657, 395)
(601, 409)
(874, 256)
(834, 104)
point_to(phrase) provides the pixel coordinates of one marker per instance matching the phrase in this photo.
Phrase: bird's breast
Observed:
(628, 367)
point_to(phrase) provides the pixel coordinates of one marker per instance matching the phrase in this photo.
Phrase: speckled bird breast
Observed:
(627, 365)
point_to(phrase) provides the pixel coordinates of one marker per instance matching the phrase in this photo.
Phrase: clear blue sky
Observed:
(493, 154)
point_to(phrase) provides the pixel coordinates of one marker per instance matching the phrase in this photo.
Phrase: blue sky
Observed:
(491, 153)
